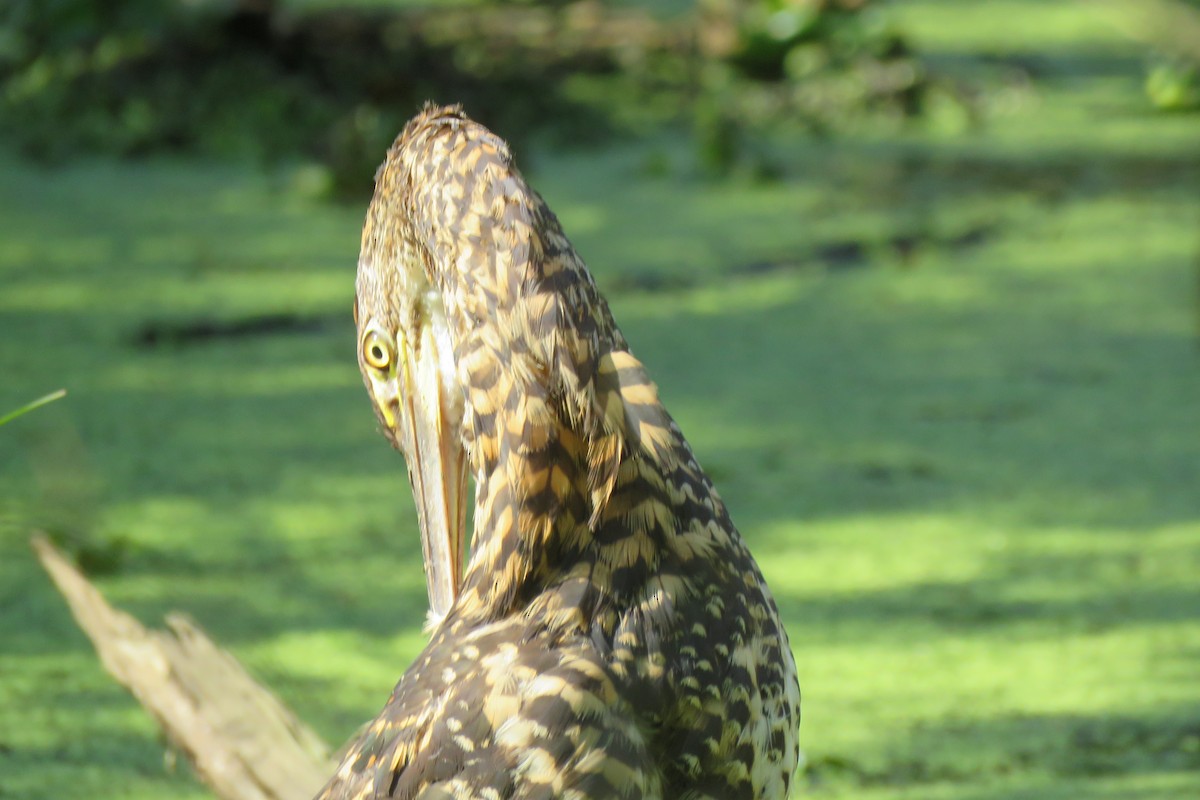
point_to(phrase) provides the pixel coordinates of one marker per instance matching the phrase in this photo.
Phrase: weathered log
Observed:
(239, 737)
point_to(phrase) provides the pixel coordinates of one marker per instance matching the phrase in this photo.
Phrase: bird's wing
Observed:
(495, 716)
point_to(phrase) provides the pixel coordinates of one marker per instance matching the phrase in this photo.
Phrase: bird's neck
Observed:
(577, 465)
(578, 488)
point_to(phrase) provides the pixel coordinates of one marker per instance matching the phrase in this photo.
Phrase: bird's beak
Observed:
(429, 432)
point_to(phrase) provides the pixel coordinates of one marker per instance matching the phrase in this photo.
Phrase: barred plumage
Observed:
(611, 636)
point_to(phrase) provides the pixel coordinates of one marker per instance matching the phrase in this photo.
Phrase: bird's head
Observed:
(406, 357)
(479, 324)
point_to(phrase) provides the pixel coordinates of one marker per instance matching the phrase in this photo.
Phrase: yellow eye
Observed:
(377, 352)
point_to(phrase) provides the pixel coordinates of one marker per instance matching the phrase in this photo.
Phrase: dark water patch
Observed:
(1068, 746)
(846, 254)
(648, 282)
(177, 333)
(834, 255)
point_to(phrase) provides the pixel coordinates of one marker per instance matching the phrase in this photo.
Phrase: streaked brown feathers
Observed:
(614, 638)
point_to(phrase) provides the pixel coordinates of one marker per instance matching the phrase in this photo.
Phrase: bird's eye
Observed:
(377, 352)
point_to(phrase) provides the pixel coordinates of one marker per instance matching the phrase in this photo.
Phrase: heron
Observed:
(608, 634)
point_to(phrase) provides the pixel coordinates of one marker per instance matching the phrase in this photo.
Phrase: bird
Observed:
(608, 634)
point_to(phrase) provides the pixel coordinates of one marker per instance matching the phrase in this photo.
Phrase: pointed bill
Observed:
(437, 461)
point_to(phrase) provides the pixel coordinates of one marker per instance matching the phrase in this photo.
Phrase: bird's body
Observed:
(611, 637)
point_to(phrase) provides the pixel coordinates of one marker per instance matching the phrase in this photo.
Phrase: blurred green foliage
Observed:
(242, 78)
(827, 64)
(333, 83)
(1173, 82)
(143, 76)
(1174, 85)
(796, 38)
(1171, 28)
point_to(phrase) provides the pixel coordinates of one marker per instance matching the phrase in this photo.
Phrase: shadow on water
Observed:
(926, 403)
(984, 607)
(1063, 745)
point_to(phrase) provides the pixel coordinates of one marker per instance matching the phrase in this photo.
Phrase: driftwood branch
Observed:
(241, 740)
